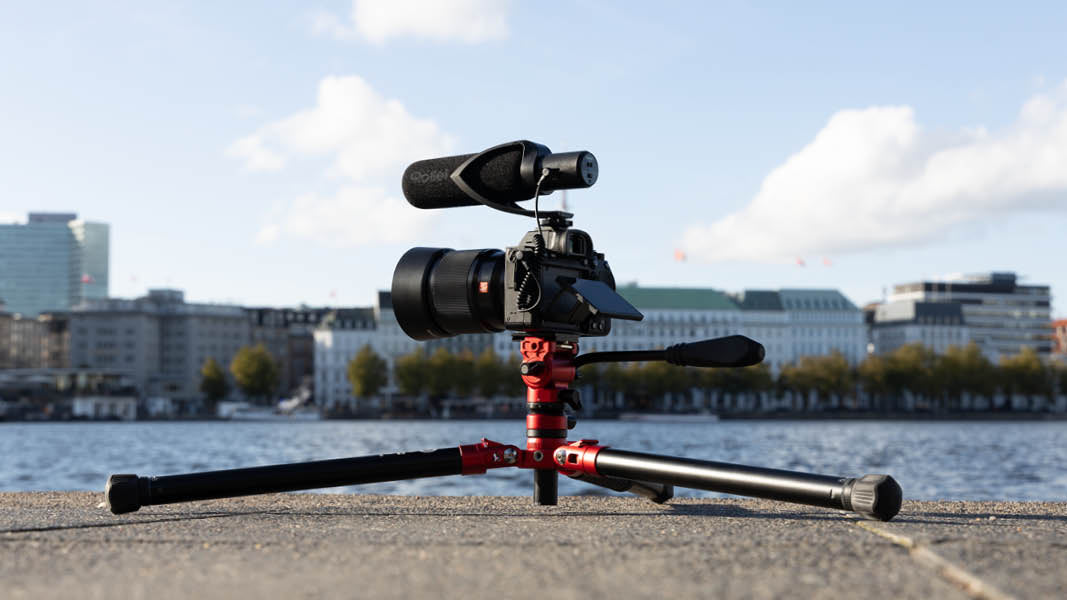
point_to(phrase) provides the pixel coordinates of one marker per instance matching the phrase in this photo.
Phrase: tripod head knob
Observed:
(874, 496)
(123, 494)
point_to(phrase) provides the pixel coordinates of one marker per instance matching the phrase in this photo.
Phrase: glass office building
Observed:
(52, 262)
(1002, 315)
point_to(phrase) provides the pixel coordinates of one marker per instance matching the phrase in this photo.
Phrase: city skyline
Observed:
(257, 160)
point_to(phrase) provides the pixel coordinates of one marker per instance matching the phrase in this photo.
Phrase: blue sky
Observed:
(251, 152)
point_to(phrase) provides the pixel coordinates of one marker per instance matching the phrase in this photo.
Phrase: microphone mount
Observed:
(534, 159)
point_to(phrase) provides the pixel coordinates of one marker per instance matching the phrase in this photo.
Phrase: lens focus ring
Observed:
(450, 292)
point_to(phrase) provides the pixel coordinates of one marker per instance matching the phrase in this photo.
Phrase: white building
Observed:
(789, 323)
(52, 262)
(936, 325)
(338, 338)
(1001, 315)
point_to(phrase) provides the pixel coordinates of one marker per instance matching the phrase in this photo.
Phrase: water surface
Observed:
(936, 460)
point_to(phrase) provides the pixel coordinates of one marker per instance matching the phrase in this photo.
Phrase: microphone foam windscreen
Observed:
(428, 183)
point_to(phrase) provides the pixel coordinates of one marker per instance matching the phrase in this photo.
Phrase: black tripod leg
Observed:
(656, 492)
(546, 487)
(127, 493)
(874, 496)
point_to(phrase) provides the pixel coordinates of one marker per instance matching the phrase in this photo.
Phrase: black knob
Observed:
(571, 398)
(122, 493)
(532, 368)
(875, 497)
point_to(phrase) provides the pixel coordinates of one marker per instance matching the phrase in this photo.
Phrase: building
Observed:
(790, 323)
(55, 340)
(159, 340)
(1059, 339)
(287, 334)
(33, 343)
(5, 338)
(339, 337)
(936, 325)
(52, 262)
(1002, 316)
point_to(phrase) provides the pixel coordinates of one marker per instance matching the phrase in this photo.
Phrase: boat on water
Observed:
(266, 413)
(296, 408)
(669, 417)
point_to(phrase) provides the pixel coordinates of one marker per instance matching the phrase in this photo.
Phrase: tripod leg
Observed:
(656, 492)
(874, 496)
(546, 487)
(127, 493)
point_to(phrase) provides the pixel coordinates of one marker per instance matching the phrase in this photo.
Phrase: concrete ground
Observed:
(66, 545)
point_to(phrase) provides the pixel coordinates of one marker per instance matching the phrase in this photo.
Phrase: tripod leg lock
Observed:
(578, 457)
(487, 454)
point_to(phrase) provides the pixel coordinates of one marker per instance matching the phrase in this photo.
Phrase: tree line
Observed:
(911, 378)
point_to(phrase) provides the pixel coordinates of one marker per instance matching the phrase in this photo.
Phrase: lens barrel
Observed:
(440, 292)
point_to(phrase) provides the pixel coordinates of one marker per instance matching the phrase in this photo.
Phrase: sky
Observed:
(251, 152)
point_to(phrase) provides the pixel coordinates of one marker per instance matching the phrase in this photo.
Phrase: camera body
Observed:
(552, 284)
(542, 276)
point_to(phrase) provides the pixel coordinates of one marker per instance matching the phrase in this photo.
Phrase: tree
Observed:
(488, 373)
(410, 372)
(367, 373)
(213, 382)
(1024, 373)
(833, 375)
(911, 367)
(439, 373)
(800, 378)
(872, 376)
(462, 374)
(964, 369)
(513, 383)
(254, 371)
(1061, 378)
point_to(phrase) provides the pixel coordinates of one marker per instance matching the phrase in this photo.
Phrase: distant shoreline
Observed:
(990, 417)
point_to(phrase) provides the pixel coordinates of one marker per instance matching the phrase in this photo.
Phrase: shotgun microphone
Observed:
(506, 173)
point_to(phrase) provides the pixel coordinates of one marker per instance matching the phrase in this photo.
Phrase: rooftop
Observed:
(822, 300)
(677, 298)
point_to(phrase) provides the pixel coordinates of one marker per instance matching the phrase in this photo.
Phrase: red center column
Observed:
(547, 368)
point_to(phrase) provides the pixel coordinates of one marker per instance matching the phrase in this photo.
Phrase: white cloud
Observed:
(365, 132)
(874, 178)
(376, 21)
(354, 216)
(368, 139)
(256, 156)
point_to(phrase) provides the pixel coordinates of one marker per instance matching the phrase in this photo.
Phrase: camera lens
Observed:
(440, 292)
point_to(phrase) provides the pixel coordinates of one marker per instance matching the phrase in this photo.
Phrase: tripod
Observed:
(548, 368)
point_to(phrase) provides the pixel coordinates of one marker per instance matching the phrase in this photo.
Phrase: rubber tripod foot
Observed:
(122, 493)
(876, 497)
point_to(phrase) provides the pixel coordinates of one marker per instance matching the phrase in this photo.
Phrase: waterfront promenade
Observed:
(66, 545)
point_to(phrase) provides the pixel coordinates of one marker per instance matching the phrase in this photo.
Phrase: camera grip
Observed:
(729, 351)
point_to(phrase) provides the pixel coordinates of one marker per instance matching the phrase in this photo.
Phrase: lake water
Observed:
(931, 460)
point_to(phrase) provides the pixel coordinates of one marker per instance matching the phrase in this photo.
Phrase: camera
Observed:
(552, 284)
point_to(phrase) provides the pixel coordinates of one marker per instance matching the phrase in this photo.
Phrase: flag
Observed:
(826, 262)
(800, 262)
(679, 255)
(87, 278)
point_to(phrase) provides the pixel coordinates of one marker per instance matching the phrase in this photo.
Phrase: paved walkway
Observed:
(66, 545)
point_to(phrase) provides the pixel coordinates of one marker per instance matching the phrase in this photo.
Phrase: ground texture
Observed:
(66, 545)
